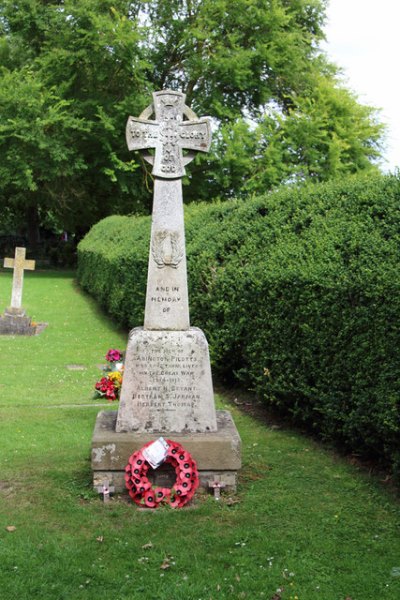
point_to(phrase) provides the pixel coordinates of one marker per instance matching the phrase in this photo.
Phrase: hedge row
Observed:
(298, 293)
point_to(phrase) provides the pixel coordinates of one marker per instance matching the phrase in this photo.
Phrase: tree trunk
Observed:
(32, 221)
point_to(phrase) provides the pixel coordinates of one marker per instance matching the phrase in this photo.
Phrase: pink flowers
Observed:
(144, 493)
(114, 356)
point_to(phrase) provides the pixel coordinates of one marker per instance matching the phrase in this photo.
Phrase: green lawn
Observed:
(303, 521)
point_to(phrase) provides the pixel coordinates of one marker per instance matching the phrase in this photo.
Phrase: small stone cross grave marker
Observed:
(19, 264)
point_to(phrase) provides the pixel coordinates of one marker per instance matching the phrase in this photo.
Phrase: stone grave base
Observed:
(19, 324)
(12, 324)
(218, 454)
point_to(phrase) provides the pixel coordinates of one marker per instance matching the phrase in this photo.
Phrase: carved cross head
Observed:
(169, 134)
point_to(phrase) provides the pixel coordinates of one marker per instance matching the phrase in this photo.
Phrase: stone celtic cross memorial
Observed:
(167, 380)
(167, 386)
(167, 299)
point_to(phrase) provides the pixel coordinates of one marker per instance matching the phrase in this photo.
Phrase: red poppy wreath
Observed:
(144, 493)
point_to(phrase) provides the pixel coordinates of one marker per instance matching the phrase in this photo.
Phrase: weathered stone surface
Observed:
(167, 384)
(16, 325)
(167, 305)
(218, 455)
(14, 321)
(12, 324)
(169, 134)
(15, 312)
(213, 451)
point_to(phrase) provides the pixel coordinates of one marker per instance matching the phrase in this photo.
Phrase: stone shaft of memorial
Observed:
(167, 306)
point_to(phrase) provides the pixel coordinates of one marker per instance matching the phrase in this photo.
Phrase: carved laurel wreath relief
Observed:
(167, 249)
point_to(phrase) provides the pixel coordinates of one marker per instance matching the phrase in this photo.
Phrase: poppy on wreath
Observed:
(161, 494)
(150, 499)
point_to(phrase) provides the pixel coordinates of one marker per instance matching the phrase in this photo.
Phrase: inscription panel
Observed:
(167, 305)
(166, 297)
(167, 383)
(141, 134)
(166, 380)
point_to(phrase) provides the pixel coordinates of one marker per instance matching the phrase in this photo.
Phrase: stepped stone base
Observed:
(218, 454)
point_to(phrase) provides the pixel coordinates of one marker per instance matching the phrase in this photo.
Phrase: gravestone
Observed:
(167, 386)
(14, 321)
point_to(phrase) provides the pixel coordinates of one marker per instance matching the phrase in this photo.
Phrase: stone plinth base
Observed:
(218, 454)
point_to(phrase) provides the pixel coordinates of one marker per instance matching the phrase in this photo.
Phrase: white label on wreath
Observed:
(156, 453)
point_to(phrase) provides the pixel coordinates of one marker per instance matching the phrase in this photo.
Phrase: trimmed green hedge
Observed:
(298, 293)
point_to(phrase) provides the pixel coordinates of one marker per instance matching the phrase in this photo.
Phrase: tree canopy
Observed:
(72, 71)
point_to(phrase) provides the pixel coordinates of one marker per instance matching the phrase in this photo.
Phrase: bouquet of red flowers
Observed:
(106, 387)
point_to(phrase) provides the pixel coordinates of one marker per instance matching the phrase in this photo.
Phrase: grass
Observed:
(304, 521)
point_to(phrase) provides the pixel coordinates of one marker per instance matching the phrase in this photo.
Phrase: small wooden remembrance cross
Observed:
(217, 486)
(105, 489)
(167, 306)
(19, 264)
